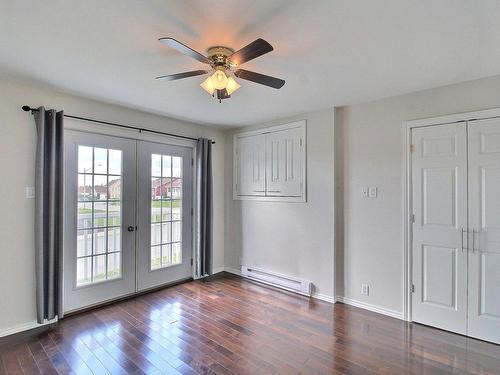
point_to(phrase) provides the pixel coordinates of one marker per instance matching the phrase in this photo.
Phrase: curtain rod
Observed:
(27, 108)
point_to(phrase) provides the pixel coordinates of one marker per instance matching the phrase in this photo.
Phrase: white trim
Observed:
(458, 117)
(226, 269)
(301, 124)
(24, 327)
(407, 183)
(233, 271)
(271, 129)
(334, 208)
(324, 297)
(370, 307)
(218, 270)
(407, 209)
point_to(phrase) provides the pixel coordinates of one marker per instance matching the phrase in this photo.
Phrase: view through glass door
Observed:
(165, 208)
(100, 200)
(106, 207)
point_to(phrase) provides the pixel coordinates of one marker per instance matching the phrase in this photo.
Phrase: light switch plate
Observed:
(364, 192)
(30, 192)
(372, 192)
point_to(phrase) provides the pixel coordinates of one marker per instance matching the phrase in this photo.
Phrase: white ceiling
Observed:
(330, 52)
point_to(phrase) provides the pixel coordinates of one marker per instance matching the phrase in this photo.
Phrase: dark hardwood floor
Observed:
(233, 326)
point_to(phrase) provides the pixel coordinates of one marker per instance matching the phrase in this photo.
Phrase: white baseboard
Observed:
(232, 270)
(24, 327)
(218, 270)
(373, 308)
(324, 297)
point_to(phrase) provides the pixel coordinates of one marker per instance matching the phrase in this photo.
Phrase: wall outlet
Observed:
(30, 192)
(365, 289)
(364, 192)
(372, 192)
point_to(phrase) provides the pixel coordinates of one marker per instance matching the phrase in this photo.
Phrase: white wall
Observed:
(293, 239)
(17, 163)
(369, 153)
(290, 238)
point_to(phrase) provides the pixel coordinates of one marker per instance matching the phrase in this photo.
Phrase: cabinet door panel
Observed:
(250, 166)
(284, 168)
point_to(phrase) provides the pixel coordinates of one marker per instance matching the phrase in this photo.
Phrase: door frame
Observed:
(91, 128)
(407, 127)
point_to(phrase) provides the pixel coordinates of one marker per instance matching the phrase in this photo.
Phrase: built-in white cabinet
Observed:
(269, 164)
(251, 170)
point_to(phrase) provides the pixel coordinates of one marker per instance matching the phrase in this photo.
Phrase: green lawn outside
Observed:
(175, 203)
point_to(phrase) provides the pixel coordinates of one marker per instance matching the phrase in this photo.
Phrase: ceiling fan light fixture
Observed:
(208, 85)
(222, 62)
(232, 85)
(219, 79)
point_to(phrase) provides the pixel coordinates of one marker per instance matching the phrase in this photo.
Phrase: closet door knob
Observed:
(462, 239)
(131, 228)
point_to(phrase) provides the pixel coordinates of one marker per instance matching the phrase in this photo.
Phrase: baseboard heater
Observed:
(289, 283)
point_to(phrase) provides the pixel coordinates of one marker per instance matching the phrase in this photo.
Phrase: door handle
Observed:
(478, 242)
(131, 228)
(462, 238)
(274, 191)
(474, 240)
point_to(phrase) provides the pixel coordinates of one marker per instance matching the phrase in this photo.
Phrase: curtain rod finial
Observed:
(27, 108)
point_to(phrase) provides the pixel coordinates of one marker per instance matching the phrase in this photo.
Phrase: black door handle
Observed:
(131, 228)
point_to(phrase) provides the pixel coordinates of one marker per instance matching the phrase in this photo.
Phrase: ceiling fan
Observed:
(224, 62)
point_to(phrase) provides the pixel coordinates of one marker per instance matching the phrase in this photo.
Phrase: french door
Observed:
(165, 212)
(456, 229)
(122, 233)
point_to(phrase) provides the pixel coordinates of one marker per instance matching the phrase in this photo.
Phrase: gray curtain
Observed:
(48, 213)
(204, 206)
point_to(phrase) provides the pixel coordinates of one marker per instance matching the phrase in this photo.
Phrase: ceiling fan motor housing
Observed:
(218, 55)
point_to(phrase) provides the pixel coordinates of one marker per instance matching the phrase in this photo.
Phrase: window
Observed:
(166, 211)
(99, 203)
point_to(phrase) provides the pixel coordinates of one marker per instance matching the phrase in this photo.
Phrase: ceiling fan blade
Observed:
(172, 77)
(273, 82)
(255, 49)
(182, 48)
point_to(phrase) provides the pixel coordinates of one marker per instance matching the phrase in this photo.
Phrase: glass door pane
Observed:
(165, 192)
(166, 184)
(98, 215)
(100, 191)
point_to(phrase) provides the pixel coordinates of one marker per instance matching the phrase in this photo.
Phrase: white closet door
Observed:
(484, 216)
(284, 150)
(440, 208)
(251, 165)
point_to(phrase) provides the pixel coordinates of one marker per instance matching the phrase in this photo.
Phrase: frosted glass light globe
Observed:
(219, 80)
